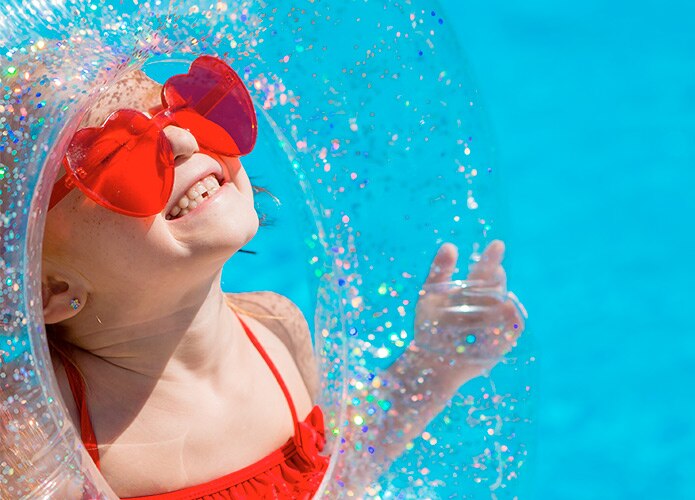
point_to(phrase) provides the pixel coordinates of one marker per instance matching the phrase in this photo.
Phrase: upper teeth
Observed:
(198, 193)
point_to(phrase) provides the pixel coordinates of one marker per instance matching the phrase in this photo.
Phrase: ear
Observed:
(57, 293)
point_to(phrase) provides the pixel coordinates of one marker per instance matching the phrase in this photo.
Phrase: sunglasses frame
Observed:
(163, 117)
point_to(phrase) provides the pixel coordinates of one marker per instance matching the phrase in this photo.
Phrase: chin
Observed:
(217, 235)
(253, 228)
(240, 231)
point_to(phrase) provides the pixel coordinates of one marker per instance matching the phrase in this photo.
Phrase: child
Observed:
(180, 390)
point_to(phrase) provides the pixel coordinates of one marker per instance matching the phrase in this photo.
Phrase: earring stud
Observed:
(75, 303)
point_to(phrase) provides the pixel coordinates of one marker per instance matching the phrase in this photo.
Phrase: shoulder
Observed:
(282, 316)
(271, 307)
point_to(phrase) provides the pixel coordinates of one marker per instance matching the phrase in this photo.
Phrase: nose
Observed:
(183, 144)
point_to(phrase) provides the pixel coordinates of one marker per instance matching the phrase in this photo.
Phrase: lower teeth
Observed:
(184, 211)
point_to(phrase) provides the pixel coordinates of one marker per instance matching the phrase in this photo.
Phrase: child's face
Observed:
(123, 254)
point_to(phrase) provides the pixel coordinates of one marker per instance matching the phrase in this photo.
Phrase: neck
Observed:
(158, 335)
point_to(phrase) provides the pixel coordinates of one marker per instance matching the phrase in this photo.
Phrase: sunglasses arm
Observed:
(62, 186)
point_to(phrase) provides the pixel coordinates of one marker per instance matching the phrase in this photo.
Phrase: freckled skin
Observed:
(136, 91)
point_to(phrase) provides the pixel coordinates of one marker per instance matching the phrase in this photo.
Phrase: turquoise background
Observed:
(592, 105)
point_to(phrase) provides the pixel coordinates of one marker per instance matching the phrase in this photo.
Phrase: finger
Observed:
(487, 296)
(444, 264)
(513, 318)
(499, 278)
(505, 316)
(489, 262)
(502, 332)
(515, 300)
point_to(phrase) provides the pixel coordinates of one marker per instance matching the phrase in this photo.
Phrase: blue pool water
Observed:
(592, 107)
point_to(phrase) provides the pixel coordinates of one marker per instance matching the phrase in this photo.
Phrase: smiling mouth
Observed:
(196, 195)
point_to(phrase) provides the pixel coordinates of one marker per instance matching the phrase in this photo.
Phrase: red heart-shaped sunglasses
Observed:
(127, 164)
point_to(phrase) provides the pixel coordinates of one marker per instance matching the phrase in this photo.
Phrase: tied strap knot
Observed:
(312, 438)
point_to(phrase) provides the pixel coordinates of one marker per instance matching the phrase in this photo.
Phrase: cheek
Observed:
(105, 240)
(233, 166)
(111, 246)
(243, 183)
(120, 257)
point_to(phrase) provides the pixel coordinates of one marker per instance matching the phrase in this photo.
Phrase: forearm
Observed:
(393, 410)
(421, 385)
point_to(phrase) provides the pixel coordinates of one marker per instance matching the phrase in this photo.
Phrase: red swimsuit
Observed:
(294, 470)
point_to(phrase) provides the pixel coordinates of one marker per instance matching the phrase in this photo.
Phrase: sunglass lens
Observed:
(125, 165)
(208, 134)
(216, 92)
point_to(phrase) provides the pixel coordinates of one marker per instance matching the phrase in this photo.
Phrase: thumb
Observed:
(444, 264)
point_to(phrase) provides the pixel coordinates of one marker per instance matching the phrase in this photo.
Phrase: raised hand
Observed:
(472, 322)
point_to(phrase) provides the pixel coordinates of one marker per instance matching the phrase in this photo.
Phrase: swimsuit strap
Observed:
(78, 393)
(275, 371)
(77, 386)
